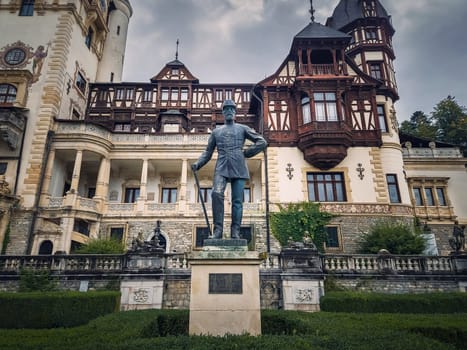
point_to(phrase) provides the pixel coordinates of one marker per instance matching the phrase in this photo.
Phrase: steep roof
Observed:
(347, 11)
(316, 30)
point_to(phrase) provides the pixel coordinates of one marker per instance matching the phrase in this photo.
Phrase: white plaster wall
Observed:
(457, 184)
(114, 48)
(294, 190)
(392, 162)
(373, 55)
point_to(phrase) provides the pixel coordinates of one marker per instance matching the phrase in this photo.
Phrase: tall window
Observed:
(441, 196)
(27, 8)
(165, 94)
(169, 195)
(430, 201)
(88, 38)
(382, 118)
(306, 110)
(326, 187)
(147, 96)
(184, 94)
(393, 188)
(417, 194)
(174, 94)
(332, 240)
(81, 83)
(205, 194)
(325, 106)
(375, 70)
(247, 195)
(131, 194)
(7, 93)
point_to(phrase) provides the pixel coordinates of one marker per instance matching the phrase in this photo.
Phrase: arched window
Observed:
(7, 93)
(306, 112)
(46, 248)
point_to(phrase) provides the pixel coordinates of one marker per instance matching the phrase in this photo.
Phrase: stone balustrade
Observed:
(330, 263)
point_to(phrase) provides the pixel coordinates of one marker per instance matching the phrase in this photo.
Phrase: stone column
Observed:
(103, 179)
(183, 187)
(76, 172)
(140, 203)
(45, 194)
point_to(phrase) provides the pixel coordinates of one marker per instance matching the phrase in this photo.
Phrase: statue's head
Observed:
(228, 110)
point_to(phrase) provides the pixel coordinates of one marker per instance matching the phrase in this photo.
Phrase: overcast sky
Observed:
(243, 41)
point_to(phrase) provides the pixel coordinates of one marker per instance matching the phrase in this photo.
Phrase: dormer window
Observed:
(175, 71)
(369, 8)
(371, 34)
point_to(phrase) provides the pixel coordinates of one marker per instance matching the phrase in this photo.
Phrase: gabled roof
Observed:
(162, 75)
(316, 30)
(347, 11)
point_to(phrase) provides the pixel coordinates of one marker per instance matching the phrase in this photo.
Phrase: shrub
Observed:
(396, 237)
(394, 303)
(102, 246)
(54, 309)
(171, 322)
(295, 220)
(36, 281)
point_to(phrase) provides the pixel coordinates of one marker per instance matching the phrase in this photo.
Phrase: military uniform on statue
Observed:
(231, 166)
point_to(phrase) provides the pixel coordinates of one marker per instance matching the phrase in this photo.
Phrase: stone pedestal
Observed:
(140, 294)
(302, 279)
(225, 291)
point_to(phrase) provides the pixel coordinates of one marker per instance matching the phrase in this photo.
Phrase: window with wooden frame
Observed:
(325, 106)
(88, 38)
(117, 233)
(131, 194)
(169, 195)
(393, 188)
(333, 240)
(306, 112)
(7, 93)
(371, 33)
(205, 194)
(376, 70)
(81, 83)
(27, 8)
(326, 187)
(429, 194)
(247, 198)
(382, 118)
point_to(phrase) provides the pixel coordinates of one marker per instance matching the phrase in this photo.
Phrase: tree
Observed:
(396, 237)
(296, 220)
(102, 246)
(419, 125)
(450, 120)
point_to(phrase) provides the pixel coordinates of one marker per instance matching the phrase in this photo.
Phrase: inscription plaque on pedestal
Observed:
(225, 283)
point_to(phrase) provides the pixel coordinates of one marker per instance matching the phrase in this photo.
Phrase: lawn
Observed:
(290, 330)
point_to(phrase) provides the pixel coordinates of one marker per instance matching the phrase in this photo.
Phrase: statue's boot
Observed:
(218, 214)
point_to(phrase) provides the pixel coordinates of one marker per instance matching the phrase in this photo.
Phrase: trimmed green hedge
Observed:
(429, 303)
(280, 329)
(55, 309)
(167, 322)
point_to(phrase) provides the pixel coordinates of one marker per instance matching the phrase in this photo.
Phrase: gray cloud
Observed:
(242, 41)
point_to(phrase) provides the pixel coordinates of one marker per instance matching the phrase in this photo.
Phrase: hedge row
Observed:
(430, 303)
(280, 329)
(55, 309)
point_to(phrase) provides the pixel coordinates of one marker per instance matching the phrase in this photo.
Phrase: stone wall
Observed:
(353, 227)
(177, 291)
(398, 284)
(20, 223)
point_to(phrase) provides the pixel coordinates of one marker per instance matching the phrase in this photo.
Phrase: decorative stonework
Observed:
(303, 295)
(18, 52)
(141, 296)
(359, 209)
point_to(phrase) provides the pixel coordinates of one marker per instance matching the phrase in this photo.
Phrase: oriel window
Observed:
(325, 106)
